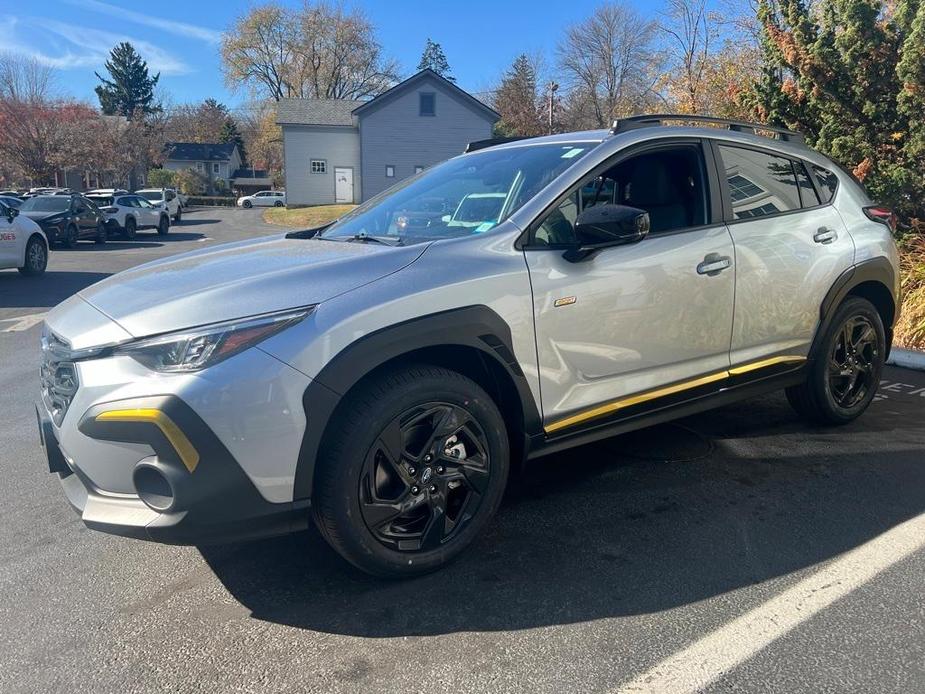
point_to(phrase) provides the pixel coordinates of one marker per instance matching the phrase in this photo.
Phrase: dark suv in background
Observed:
(65, 219)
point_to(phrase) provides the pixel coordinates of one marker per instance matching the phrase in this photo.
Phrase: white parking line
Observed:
(22, 323)
(716, 654)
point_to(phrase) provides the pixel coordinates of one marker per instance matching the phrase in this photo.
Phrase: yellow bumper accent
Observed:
(189, 456)
(646, 396)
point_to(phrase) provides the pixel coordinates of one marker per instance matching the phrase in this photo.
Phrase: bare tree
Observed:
(691, 33)
(25, 79)
(610, 64)
(318, 51)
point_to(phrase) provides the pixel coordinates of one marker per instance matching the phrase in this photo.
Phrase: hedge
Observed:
(210, 201)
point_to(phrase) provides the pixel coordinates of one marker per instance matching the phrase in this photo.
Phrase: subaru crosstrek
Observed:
(383, 374)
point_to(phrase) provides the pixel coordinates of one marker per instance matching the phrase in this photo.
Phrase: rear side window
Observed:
(807, 190)
(828, 183)
(760, 184)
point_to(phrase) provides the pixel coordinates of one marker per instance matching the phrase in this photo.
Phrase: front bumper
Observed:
(213, 502)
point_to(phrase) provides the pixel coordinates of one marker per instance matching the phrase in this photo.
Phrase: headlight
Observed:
(197, 348)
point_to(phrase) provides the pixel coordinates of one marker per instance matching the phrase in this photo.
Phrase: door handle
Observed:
(825, 235)
(714, 264)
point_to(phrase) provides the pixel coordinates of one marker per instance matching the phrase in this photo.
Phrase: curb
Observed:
(907, 358)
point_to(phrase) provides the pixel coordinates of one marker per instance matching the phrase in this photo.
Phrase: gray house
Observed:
(344, 151)
(215, 161)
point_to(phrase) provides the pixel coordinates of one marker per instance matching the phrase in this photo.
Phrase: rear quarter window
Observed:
(828, 182)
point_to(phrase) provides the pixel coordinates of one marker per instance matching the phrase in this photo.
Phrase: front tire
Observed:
(163, 226)
(179, 215)
(36, 258)
(70, 237)
(845, 373)
(247, 204)
(413, 469)
(102, 234)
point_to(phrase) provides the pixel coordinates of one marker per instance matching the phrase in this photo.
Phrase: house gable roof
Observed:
(387, 96)
(336, 112)
(200, 151)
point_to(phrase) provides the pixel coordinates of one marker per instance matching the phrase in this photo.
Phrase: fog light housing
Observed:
(156, 485)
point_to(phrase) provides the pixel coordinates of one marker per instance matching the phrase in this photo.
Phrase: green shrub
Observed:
(161, 178)
(211, 200)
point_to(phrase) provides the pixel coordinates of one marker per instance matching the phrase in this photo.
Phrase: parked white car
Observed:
(166, 196)
(128, 213)
(22, 243)
(265, 198)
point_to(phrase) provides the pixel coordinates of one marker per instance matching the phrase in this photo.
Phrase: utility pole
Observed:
(551, 89)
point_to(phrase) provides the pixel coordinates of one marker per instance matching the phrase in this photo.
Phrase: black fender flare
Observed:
(878, 270)
(475, 327)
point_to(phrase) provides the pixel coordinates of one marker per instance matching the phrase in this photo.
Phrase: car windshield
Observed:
(57, 203)
(154, 195)
(467, 195)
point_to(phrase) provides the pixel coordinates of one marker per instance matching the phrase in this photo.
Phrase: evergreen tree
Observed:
(230, 133)
(433, 58)
(130, 87)
(517, 100)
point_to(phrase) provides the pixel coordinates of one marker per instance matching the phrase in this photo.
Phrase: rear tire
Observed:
(845, 372)
(36, 258)
(411, 471)
(131, 229)
(163, 226)
(179, 215)
(277, 204)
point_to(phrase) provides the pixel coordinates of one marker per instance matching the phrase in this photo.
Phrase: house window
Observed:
(428, 104)
(318, 166)
(418, 169)
(389, 171)
(216, 168)
(200, 165)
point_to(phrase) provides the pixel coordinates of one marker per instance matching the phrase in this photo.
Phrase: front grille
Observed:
(58, 376)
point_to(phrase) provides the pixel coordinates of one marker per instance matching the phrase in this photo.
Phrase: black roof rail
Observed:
(634, 122)
(491, 142)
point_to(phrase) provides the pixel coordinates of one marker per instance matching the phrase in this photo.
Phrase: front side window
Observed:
(669, 184)
(428, 104)
(318, 166)
(760, 184)
(467, 195)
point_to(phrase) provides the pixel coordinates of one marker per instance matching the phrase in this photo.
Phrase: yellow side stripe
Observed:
(188, 454)
(646, 396)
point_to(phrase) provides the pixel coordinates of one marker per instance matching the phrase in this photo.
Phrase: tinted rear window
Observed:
(156, 196)
(760, 184)
(101, 200)
(828, 182)
(807, 189)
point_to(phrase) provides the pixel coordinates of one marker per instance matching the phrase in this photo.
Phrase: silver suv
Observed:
(382, 375)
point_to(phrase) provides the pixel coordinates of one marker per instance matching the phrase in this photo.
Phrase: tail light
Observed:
(884, 215)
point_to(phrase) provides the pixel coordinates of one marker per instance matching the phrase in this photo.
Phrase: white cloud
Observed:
(69, 46)
(169, 25)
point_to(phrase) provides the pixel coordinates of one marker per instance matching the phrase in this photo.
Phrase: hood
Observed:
(240, 279)
(40, 215)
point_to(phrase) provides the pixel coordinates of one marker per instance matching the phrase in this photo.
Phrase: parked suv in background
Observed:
(265, 198)
(125, 214)
(167, 198)
(66, 218)
(385, 377)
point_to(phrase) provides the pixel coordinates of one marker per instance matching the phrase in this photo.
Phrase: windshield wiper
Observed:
(363, 237)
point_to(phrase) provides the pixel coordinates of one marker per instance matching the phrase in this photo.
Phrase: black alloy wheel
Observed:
(131, 228)
(164, 225)
(424, 477)
(247, 204)
(852, 361)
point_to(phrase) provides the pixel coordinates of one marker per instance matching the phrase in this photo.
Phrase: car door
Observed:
(11, 241)
(261, 199)
(789, 249)
(83, 216)
(632, 325)
(148, 214)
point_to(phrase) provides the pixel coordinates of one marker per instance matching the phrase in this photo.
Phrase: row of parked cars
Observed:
(31, 223)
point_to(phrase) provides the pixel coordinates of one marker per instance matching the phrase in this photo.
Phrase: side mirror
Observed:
(12, 213)
(603, 226)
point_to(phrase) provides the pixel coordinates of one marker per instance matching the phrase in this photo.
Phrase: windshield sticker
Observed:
(573, 152)
(483, 227)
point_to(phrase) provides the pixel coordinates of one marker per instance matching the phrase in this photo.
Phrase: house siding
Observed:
(338, 146)
(395, 134)
(225, 168)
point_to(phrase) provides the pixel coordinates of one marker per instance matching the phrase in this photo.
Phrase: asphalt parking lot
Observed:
(738, 550)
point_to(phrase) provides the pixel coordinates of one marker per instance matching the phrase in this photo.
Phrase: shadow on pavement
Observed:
(636, 524)
(46, 290)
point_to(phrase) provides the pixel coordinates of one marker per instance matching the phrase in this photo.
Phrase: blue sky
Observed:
(180, 38)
